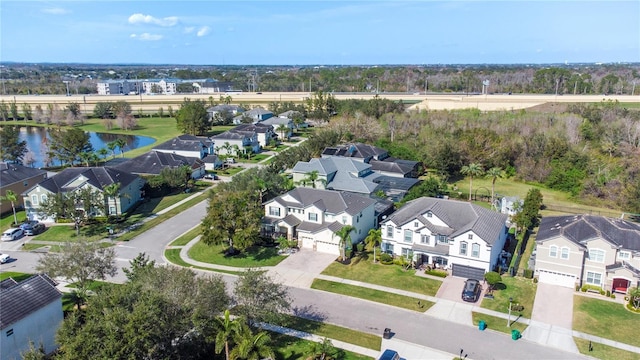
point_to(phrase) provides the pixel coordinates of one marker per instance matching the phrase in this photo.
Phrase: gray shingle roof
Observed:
(184, 143)
(582, 228)
(98, 177)
(13, 173)
(344, 181)
(623, 265)
(356, 150)
(26, 297)
(332, 202)
(459, 216)
(259, 128)
(226, 107)
(153, 162)
(392, 167)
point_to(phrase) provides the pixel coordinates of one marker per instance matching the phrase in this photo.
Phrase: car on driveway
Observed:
(35, 229)
(471, 291)
(12, 234)
(211, 177)
(389, 354)
(27, 223)
(4, 258)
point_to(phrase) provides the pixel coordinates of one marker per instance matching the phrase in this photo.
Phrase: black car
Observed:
(471, 291)
(31, 230)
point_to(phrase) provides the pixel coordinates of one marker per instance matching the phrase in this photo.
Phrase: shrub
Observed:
(602, 292)
(608, 293)
(577, 287)
(584, 289)
(347, 253)
(613, 296)
(528, 273)
(360, 247)
(438, 273)
(535, 281)
(386, 259)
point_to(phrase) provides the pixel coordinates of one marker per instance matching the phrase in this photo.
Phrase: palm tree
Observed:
(323, 350)
(634, 297)
(102, 152)
(311, 178)
(111, 191)
(251, 346)
(121, 143)
(472, 170)
(112, 145)
(283, 129)
(85, 157)
(227, 328)
(12, 198)
(373, 239)
(345, 238)
(494, 173)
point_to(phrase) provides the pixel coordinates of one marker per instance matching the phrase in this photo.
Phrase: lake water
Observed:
(34, 135)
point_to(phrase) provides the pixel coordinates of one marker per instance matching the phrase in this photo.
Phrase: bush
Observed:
(602, 292)
(608, 293)
(386, 259)
(584, 289)
(535, 281)
(360, 247)
(438, 273)
(613, 296)
(347, 253)
(577, 287)
(528, 273)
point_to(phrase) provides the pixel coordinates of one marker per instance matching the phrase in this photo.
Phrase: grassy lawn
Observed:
(289, 347)
(17, 276)
(605, 319)
(523, 292)
(255, 256)
(602, 351)
(7, 219)
(29, 246)
(339, 333)
(173, 255)
(187, 237)
(385, 275)
(66, 233)
(497, 323)
(230, 171)
(383, 297)
(254, 159)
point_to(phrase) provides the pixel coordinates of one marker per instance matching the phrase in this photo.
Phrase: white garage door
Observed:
(556, 278)
(307, 243)
(328, 248)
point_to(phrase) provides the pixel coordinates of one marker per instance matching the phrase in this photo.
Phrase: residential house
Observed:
(17, 178)
(265, 132)
(118, 87)
(588, 250)
(224, 111)
(464, 237)
(255, 115)
(152, 163)
(509, 205)
(233, 142)
(188, 146)
(313, 216)
(378, 158)
(31, 311)
(293, 115)
(276, 122)
(74, 179)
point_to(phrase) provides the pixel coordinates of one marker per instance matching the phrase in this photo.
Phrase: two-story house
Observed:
(152, 163)
(313, 216)
(588, 250)
(17, 178)
(287, 126)
(224, 111)
(447, 233)
(233, 142)
(253, 116)
(96, 178)
(265, 132)
(378, 158)
(188, 145)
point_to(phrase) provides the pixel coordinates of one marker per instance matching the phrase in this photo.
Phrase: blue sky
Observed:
(319, 32)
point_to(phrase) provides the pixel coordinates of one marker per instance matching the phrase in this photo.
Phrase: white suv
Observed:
(12, 234)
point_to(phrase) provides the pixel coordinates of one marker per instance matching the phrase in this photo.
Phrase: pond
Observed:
(34, 137)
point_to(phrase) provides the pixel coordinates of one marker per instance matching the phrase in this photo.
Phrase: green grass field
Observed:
(366, 340)
(17, 276)
(606, 319)
(497, 323)
(289, 348)
(186, 237)
(604, 352)
(255, 256)
(523, 292)
(386, 275)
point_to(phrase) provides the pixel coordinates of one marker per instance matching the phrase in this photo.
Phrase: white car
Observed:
(4, 258)
(12, 234)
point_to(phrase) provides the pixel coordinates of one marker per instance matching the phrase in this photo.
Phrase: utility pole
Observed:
(633, 90)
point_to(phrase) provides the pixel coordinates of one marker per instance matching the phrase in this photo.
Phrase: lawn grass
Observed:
(497, 323)
(289, 347)
(17, 276)
(379, 296)
(385, 275)
(7, 219)
(67, 233)
(173, 256)
(523, 292)
(602, 351)
(185, 238)
(254, 159)
(230, 171)
(255, 256)
(29, 246)
(606, 319)
(365, 340)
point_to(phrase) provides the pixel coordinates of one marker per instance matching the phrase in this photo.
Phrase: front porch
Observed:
(621, 276)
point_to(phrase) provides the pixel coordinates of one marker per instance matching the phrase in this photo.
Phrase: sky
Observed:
(329, 32)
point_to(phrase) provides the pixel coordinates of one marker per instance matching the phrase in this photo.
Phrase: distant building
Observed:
(160, 86)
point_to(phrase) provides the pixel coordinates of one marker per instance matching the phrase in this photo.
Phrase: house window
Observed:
(344, 219)
(415, 224)
(424, 239)
(389, 231)
(25, 183)
(463, 248)
(34, 199)
(408, 236)
(406, 252)
(470, 237)
(313, 217)
(624, 255)
(596, 255)
(564, 253)
(475, 250)
(274, 211)
(594, 278)
(442, 239)
(9, 332)
(43, 197)
(387, 248)
(553, 251)
(429, 214)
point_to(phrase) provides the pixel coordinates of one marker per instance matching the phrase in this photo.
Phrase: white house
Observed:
(255, 115)
(313, 216)
(188, 145)
(30, 310)
(277, 121)
(265, 132)
(447, 233)
(233, 141)
(152, 163)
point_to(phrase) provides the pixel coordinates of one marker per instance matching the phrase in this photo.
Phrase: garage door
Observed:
(307, 243)
(556, 278)
(467, 272)
(328, 248)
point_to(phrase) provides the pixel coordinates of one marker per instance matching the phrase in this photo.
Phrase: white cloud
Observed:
(203, 31)
(146, 37)
(148, 19)
(55, 11)
(189, 29)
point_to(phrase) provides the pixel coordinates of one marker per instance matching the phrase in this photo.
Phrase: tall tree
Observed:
(121, 143)
(103, 110)
(27, 114)
(472, 170)
(494, 174)
(11, 197)
(324, 350)
(344, 234)
(259, 298)
(373, 239)
(77, 205)
(283, 130)
(192, 118)
(138, 266)
(226, 329)
(111, 191)
(66, 145)
(251, 346)
(11, 148)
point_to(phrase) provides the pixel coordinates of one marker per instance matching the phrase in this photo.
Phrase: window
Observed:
(388, 248)
(564, 253)
(43, 197)
(594, 278)
(313, 217)
(408, 236)
(415, 224)
(429, 214)
(9, 332)
(624, 255)
(553, 251)
(463, 248)
(470, 237)
(475, 250)
(389, 231)
(442, 239)
(424, 239)
(274, 211)
(406, 252)
(25, 183)
(596, 255)
(34, 199)
(344, 219)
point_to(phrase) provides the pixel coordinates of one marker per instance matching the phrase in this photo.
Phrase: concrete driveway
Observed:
(299, 269)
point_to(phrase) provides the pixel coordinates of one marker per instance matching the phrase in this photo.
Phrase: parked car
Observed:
(211, 177)
(472, 290)
(12, 234)
(389, 354)
(32, 230)
(4, 258)
(27, 224)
